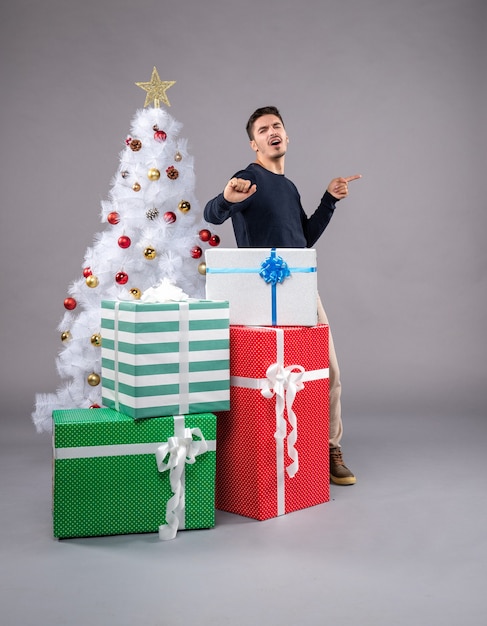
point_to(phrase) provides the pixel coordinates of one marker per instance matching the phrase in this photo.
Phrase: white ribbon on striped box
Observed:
(183, 354)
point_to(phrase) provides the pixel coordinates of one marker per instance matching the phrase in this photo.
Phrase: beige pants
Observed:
(336, 427)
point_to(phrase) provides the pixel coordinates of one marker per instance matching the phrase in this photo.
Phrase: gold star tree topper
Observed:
(156, 90)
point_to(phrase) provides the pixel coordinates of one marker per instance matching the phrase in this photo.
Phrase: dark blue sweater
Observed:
(273, 216)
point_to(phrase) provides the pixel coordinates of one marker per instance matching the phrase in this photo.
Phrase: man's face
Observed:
(270, 138)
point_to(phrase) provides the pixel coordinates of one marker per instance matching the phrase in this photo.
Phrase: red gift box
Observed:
(273, 453)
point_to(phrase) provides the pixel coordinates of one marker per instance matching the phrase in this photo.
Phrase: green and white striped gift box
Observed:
(165, 358)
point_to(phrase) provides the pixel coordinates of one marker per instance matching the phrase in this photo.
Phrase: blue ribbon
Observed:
(274, 270)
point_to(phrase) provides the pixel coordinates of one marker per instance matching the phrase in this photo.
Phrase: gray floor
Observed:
(407, 545)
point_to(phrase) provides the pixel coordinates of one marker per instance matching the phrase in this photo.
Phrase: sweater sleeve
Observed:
(315, 225)
(219, 210)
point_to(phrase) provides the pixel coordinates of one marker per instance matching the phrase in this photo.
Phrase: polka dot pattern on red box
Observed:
(247, 471)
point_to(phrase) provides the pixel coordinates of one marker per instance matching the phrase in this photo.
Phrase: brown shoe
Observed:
(339, 472)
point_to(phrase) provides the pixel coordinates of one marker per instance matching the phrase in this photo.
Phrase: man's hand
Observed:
(339, 186)
(238, 189)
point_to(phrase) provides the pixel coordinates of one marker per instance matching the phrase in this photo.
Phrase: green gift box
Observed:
(165, 358)
(113, 475)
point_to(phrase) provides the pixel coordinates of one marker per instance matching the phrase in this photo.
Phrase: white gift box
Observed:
(265, 286)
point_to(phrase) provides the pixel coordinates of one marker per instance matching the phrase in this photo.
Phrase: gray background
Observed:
(393, 89)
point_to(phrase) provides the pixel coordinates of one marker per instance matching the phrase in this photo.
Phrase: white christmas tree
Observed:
(154, 232)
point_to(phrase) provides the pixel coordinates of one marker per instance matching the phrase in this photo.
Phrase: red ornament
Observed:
(169, 217)
(124, 241)
(160, 135)
(113, 218)
(196, 252)
(121, 278)
(70, 304)
(204, 234)
(214, 240)
(87, 272)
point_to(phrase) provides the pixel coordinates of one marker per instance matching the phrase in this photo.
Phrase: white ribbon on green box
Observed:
(283, 383)
(180, 449)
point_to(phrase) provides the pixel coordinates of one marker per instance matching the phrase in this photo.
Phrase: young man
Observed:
(266, 212)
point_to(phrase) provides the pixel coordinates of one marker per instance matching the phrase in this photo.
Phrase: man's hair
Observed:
(259, 113)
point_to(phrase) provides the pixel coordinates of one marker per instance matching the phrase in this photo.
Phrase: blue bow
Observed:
(274, 269)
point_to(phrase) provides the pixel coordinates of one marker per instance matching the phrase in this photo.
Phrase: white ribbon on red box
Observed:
(284, 383)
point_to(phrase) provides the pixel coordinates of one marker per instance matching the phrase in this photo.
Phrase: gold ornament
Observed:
(178, 157)
(92, 281)
(136, 187)
(66, 335)
(93, 379)
(156, 90)
(202, 268)
(96, 340)
(153, 174)
(150, 253)
(136, 293)
(184, 206)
